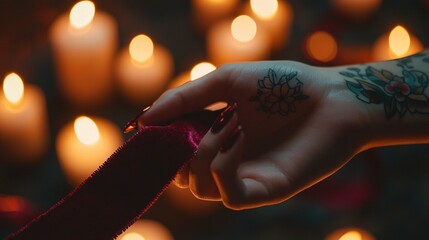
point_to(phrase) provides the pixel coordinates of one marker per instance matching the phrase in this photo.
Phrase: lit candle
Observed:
(207, 12)
(356, 9)
(146, 230)
(82, 146)
(143, 70)
(274, 16)
(84, 43)
(237, 41)
(23, 121)
(321, 46)
(350, 234)
(196, 72)
(398, 43)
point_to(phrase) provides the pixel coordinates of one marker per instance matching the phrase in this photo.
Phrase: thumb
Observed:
(190, 97)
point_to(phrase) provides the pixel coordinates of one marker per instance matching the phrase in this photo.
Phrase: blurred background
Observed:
(380, 194)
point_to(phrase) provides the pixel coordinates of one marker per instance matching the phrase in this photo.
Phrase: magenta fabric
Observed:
(125, 186)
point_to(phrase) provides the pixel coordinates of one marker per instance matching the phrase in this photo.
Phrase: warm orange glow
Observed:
(146, 230)
(351, 235)
(81, 14)
(86, 130)
(201, 69)
(243, 28)
(399, 41)
(132, 236)
(141, 48)
(264, 9)
(11, 204)
(322, 46)
(13, 88)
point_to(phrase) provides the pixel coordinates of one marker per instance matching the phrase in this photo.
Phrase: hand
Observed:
(293, 126)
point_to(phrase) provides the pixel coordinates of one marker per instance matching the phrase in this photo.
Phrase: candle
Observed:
(274, 16)
(356, 9)
(398, 43)
(321, 46)
(143, 70)
(350, 234)
(82, 146)
(146, 230)
(237, 41)
(207, 12)
(23, 121)
(84, 44)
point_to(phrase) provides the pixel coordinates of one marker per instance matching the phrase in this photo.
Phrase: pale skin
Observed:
(282, 151)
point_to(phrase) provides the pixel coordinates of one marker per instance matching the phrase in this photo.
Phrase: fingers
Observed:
(190, 97)
(201, 182)
(182, 177)
(224, 170)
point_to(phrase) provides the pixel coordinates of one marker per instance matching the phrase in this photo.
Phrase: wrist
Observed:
(393, 96)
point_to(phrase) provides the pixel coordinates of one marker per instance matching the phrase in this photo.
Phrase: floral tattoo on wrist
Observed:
(278, 95)
(398, 93)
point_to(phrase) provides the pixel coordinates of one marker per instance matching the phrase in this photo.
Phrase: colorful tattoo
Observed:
(278, 95)
(399, 94)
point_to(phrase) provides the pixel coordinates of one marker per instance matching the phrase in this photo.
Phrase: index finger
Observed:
(187, 98)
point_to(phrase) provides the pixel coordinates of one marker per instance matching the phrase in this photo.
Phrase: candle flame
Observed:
(141, 48)
(264, 9)
(399, 40)
(86, 130)
(13, 88)
(133, 236)
(201, 69)
(243, 28)
(322, 46)
(351, 235)
(81, 14)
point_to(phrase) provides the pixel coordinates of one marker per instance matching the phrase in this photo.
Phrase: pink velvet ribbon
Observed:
(125, 186)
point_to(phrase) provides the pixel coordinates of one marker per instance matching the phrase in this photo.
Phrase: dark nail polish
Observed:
(223, 118)
(133, 123)
(232, 139)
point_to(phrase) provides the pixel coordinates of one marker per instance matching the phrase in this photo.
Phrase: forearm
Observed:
(394, 97)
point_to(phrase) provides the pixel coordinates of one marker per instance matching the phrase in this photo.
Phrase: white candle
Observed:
(276, 17)
(356, 9)
(84, 44)
(237, 41)
(23, 121)
(208, 12)
(83, 145)
(146, 230)
(398, 43)
(143, 70)
(350, 234)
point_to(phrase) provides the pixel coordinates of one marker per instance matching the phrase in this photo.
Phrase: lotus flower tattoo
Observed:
(278, 95)
(399, 94)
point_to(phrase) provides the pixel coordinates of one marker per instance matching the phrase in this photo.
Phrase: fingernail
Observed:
(232, 139)
(223, 118)
(133, 123)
